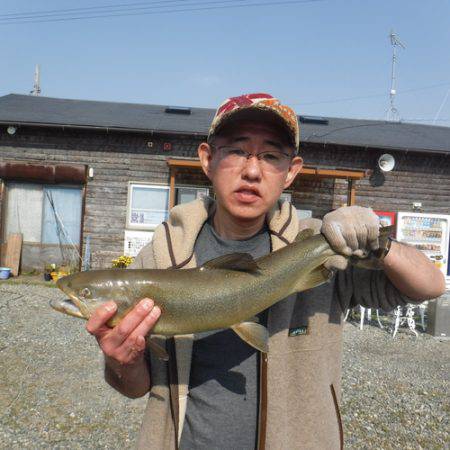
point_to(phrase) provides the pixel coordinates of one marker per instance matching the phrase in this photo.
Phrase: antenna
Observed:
(392, 113)
(37, 82)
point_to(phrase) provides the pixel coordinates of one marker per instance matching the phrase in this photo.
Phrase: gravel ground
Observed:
(395, 391)
(52, 395)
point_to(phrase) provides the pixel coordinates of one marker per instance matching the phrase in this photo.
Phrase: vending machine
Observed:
(428, 233)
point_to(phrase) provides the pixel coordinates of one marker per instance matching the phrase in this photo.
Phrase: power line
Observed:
(86, 8)
(150, 10)
(364, 97)
(121, 7)
(436, 117)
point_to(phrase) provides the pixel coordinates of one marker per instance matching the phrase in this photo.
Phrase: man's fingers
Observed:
(372, 237)
(143, 328)
(133, 347)
(131, 350)
(361, 235)
(336, 262)
(101, 315)
(333, 233)
(121, 332)
(125, 343)
(359, 229)
(140, 343)
(352, 239)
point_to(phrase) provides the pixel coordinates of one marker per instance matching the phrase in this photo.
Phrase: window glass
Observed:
(286, 196)
(187, 194)
(148, 206)
(62, 215)
(24, 211)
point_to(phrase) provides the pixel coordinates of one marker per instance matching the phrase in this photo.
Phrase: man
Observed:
(216, 392)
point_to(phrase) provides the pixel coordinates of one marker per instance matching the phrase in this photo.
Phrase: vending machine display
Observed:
(428, 233)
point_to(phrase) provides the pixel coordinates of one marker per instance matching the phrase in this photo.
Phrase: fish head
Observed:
(86, 293)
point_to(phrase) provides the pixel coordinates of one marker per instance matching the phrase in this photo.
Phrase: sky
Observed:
(322, 57)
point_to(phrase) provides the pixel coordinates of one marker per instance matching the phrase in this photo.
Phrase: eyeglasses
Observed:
(270, 160)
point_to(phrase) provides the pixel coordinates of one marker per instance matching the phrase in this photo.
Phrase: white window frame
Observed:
(139, 184)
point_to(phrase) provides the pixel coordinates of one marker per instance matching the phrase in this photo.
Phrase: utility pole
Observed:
(392, 113)
(37, 82)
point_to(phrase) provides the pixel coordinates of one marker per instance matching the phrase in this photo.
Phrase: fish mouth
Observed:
(71, 305)
(66, 306)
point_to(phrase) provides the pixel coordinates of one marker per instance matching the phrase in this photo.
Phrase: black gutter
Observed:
(97, 128)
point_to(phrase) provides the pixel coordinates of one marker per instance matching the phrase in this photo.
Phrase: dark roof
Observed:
(45, 111)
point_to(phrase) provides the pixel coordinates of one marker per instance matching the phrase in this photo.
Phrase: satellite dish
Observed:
(386, 162)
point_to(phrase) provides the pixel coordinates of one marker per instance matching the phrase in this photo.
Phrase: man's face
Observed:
(247, 190)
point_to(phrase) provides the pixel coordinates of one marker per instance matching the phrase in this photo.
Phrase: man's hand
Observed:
(123, 346)
(351, 231)
(125, 343)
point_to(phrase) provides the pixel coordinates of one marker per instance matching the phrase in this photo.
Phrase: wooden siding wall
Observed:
(120, 158)
(417, 177)
(116, 159)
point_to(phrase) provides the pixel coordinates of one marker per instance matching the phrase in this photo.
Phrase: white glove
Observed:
(350, 231)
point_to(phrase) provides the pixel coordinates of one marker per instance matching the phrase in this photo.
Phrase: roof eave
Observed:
(375, 147)
(99, 128)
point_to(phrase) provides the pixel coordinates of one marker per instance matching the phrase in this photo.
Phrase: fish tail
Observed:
(384, 234)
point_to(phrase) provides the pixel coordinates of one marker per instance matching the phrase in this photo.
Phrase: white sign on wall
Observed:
(135, 240)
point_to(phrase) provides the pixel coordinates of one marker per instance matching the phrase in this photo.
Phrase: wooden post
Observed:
(2, 221)
(83, 213)
(2, 210)
(351, 192)
(173, 171)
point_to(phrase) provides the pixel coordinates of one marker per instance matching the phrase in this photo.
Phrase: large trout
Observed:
(226, 292)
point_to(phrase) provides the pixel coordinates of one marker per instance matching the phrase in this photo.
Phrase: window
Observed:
(62, 215)
(24, 211)
(148, 206)
(44, 214)
(187, 194)
(286, 196)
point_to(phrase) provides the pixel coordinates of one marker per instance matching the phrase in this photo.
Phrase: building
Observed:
(106, 173)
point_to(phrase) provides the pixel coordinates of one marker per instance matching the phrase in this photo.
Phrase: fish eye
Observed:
(85, 292)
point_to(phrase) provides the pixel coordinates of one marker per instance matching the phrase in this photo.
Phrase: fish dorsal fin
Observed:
(316, 277)
(254, 334)
(304, 234)
(242, 262)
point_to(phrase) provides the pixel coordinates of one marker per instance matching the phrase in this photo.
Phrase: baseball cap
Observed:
(260, 107)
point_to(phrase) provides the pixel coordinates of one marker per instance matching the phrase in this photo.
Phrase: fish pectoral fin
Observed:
(304, 234)
(159, 352)
(242, 262)
(316, 277)
(254, 334)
